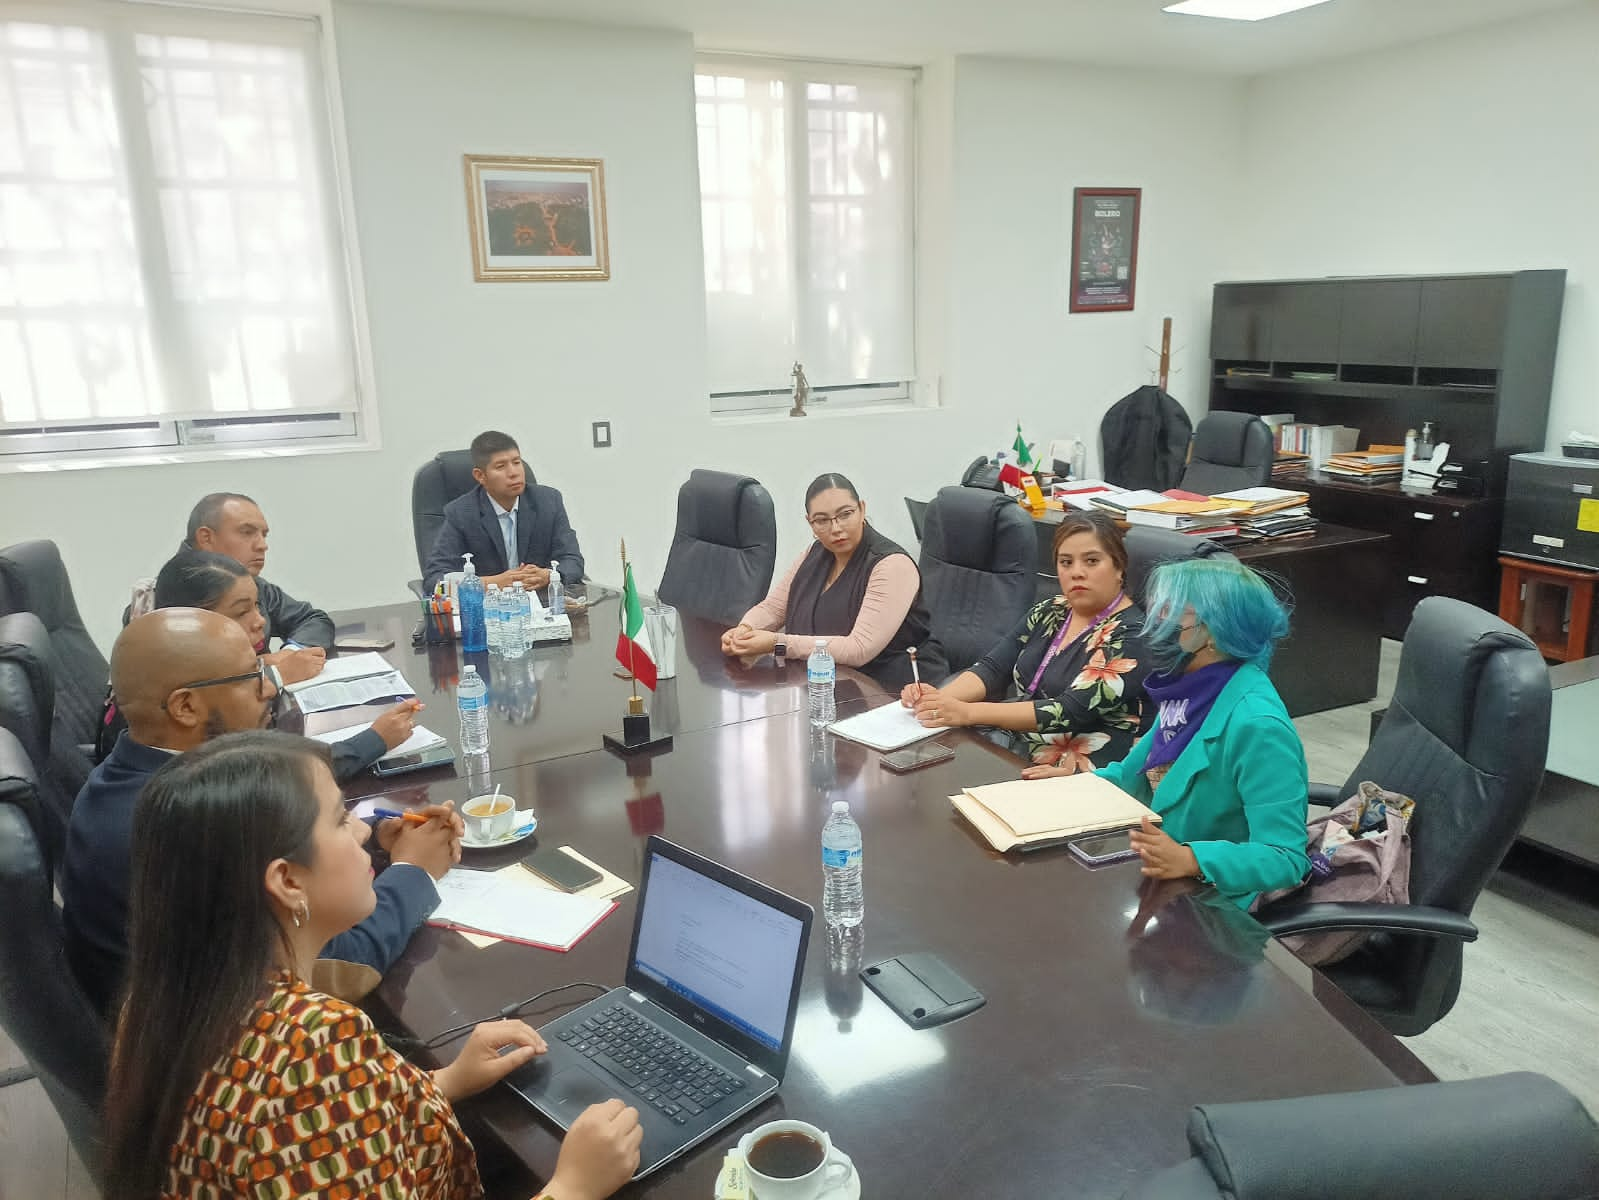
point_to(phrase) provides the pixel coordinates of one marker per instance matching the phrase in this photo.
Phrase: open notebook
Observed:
(1029, 814)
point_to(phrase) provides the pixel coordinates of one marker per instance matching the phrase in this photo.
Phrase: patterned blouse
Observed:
(1090, 701)
(312, 1102)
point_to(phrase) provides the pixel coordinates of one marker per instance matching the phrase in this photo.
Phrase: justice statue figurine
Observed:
(633, 651)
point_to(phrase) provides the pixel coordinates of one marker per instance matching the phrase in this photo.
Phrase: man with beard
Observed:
(183, 676)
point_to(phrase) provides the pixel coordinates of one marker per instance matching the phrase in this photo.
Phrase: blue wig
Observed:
(1237, 606)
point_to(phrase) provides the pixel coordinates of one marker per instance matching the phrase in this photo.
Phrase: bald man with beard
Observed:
(183, 676)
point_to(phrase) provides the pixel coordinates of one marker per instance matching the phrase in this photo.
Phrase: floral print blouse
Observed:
(1090, 700)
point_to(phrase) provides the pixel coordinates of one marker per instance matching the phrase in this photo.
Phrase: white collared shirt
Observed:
(500, 514)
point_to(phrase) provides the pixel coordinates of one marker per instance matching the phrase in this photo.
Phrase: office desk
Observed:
(1334, 581)
(1112, 1007)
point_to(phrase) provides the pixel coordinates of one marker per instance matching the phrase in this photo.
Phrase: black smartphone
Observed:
(434, 756)
(913, 758)
(1098, 849)
(556, 866)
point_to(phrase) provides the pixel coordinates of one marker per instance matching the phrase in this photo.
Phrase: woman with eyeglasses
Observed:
(852, 586)
(201, 579)
(1223, 765)
(230, 1075)
(1067, 682)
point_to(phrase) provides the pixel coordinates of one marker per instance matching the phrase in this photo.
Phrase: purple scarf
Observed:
(1183, 702)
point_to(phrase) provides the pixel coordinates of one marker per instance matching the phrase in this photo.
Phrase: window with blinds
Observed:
(172, 262)
(807, 196)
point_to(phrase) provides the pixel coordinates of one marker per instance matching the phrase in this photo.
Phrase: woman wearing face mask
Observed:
(201, 579)
(1223, 765)
(1068, 680)
(230, 1075)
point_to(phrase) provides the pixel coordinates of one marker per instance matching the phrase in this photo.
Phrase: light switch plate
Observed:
(602, 435)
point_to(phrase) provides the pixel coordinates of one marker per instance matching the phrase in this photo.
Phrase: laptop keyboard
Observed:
(662, 1070)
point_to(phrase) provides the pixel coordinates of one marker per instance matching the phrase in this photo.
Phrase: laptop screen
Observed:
(718, 948)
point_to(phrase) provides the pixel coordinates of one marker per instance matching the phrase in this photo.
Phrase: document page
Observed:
(887, 727)
(506, 904)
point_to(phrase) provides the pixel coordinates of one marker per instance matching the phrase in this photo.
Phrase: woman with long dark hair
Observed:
(853, 586)
(229, 1075)
(1067, 682)
(219, 584)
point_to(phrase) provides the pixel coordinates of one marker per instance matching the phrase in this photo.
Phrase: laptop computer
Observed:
(701, 1032)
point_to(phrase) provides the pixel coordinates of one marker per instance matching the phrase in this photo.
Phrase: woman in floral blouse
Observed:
(1068, 681)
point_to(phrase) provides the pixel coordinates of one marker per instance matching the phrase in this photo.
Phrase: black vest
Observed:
(820, 611)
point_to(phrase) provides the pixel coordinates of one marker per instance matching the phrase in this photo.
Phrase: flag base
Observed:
(636, 737)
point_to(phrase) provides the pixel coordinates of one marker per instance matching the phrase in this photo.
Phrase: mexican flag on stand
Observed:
(1024, 459)
(633, 643)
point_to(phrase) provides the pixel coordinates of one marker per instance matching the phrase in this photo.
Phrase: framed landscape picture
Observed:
(1104, 248)
(537, 218)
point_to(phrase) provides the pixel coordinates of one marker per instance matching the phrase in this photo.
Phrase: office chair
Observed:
(1230, 451)
(27, 704)
(1148, 547)
(1474, 1139)
(725, 548)
(1465, 736)
(34, 579)
(977, 563)
(442, 478)
(42, 1008)
(918, 511)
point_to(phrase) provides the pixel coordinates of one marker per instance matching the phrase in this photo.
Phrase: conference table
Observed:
(1113, 1004)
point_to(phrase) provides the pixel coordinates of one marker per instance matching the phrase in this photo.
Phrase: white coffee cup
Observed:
(830, 1172)
(490, 817)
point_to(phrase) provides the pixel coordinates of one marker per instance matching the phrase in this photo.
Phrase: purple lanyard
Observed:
(1055, 646)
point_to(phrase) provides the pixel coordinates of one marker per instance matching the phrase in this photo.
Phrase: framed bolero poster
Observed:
(536, 218)
(1104, 248)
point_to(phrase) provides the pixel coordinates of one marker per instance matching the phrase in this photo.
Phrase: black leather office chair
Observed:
(977, 563)
(1148, 547)
(725, 548)
(41, 1006)
(918, 512)
(1520, 1135)
(34, 579)
(442, 478)
(1230, 451)
(27, 704)
(1465, 737)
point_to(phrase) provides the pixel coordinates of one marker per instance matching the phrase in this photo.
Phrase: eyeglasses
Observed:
(841, 518)
(264, 675)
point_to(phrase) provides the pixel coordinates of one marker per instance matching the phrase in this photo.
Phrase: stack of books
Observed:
(1185, 512)
(1289, 462)
(1271, 513)
(1379, 464)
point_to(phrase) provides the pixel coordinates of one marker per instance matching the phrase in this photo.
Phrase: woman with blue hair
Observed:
(1223, 765)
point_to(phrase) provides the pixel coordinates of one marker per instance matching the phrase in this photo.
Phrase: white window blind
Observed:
(807, 192)
(171, 251)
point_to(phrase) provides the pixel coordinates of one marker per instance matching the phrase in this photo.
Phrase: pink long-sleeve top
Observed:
(890, 591)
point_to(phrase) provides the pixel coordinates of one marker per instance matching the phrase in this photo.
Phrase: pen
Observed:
(916, 675)
(415, 818)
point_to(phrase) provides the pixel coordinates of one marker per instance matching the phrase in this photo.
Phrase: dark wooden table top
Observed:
(1113, 1005)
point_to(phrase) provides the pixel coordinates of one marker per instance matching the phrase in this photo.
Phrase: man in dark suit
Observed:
(513, 532)
(183, 676)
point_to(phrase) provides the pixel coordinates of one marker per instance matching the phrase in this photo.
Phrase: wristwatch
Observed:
(781, 651)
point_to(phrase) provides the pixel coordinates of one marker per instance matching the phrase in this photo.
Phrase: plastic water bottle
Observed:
(557, 592)
(820, 674)
(514, 623)
(472, 702)
(469, 595)
(494, 619)
(843, 902)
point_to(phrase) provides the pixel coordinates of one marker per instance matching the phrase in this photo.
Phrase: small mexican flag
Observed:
(1024, 460)
(633, 643)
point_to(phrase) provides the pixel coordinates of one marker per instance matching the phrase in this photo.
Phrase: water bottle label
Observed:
(840, 858)
(819, 675)
(473, 703)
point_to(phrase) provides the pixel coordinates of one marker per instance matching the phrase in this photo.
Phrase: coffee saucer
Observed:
(521, 828)
(850, 1189)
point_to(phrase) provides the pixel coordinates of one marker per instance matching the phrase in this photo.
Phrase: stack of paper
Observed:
(1379, 464)
(510, 904)
(887, 727)
(1272, 513)
(1080, 493)
(1029, 814)
(348, 680)
(421, 739)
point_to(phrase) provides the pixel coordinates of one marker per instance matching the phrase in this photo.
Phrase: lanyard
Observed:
(1055, 646)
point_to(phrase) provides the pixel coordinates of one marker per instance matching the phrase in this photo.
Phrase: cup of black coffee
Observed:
(791, 1160)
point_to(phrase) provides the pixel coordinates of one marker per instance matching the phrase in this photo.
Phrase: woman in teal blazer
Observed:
(1223, 765)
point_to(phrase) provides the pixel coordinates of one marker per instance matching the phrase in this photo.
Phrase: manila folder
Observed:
(1032, 813)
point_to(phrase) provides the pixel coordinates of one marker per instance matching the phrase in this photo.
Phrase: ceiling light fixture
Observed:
(1240, 10)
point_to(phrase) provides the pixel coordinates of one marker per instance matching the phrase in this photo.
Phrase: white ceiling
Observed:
(1100, 32)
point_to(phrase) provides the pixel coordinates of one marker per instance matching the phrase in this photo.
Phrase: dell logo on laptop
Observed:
(698, 1018)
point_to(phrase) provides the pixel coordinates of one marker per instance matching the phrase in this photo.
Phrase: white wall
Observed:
(1027, 133)
(1476, 152)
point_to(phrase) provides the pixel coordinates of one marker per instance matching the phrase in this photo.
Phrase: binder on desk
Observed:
(1030, 814)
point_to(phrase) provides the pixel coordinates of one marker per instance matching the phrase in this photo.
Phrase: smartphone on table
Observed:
(1099, 849)
(554, 865)
(913, 758)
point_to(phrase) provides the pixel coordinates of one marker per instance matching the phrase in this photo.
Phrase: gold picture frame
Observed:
(536, 218)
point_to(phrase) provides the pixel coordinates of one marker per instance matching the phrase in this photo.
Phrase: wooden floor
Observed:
(1529, 1001)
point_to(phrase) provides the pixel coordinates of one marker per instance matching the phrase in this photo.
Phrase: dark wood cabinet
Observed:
(1473, 354)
